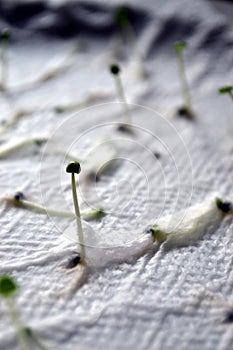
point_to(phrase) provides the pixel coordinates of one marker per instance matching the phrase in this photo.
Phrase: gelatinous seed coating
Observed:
(225, 207)
(7, 286)
(5, 34)
(19, 196)
(225, 89)
(74, 261)
(180, 45)
(73, 167)
(115, 69)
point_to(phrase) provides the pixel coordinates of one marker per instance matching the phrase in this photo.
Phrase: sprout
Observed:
(20, 201)
(94, 214)
(188, 226)
(7, 289)
(4, 37)
(75, 168)
(115, 71)
(227, 89)
(11, 147)
(186, 110)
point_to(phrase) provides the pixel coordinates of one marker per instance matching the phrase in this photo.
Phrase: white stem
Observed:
(183, 79)
(78, 219)
(13, 146)
(40, 209)
(130, 34)
(4, 63)
(122, 98)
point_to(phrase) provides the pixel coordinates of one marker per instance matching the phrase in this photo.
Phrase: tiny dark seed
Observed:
(150, 231)
(73, 167)
(40, 142)
(19, 196)
(124, 128)
(157, 155)
(229, 317)
(185, 112)
(225, 207)
(114, 69)
(74, 261)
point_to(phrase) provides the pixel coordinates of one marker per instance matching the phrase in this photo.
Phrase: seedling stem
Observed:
(5, 35)
(178, 47)
(115, 70)
(74, 167)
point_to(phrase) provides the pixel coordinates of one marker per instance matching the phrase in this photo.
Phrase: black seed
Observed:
(157, 155)
(74, 261)
(19, 196)
(40, 142)
(185, 112)
(73, 167)
(124, 128)
(114, 69)
(229, 317)
(150, 231)
(225, 207)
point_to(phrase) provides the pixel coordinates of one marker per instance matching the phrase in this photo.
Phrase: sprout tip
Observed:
(7, 286)
(5, 34)
(179, 45)
(73, 168)
(114, 69)
(121, 16)
(225, 89)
